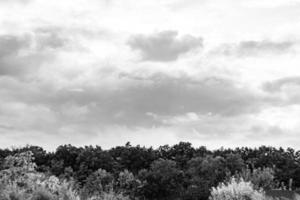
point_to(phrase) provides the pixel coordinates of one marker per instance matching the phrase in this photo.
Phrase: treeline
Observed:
(168, 172)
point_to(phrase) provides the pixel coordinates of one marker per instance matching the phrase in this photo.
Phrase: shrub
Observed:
(12, 192)
(236, 190)
(66, 191)
(42, 194)
(98, 182)
(15, 196)
(260, 178)
(20, 181)
(128, 184)
(111, 195)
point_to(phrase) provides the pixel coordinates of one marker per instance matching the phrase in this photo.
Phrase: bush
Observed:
(128, 184)
(260, 178)
(20, 181)
(97, 183)
(42, 194)
(15, 196)
(236, 190)
(12, 192)
(111, 195)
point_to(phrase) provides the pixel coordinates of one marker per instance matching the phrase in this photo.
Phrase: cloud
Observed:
(279, 84)
(57, 82)
(134, 98)
(11, 45)
(22, 54)
(283, 90)
(15, 1)
(180, 4)
(11, 49)
(255, 48)
(182, 106)
(231, 131)
(164, 46)
(50, 37)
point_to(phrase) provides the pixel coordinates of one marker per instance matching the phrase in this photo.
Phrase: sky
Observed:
(104, 72)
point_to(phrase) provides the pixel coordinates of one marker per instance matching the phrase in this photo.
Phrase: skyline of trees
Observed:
(178, 171)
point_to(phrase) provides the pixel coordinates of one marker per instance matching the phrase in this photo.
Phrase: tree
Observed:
(20, 180)
(133, 158)
(97, 183)
(17, 168)
(128, 184)
(163, 181)
(181, 153)
(234, 163)
(40, 156)
(204, 173)
(91, 159)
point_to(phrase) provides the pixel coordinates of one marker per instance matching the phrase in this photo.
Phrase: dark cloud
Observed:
(131, 104)
(164, 46)
(255, 48)
(12, 45)
(277, 85)
(165, 95)
(283, 91)
(12, 54)
(22, 54)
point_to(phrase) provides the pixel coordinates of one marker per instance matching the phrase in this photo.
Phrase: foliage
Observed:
(132, 158)
(237, 190)
(128, 184)
(19, 180)
(97, 183)
(260, 178)
(111, 195)
(204, 173)
(168, 172)
(163, 180)
(42, 194)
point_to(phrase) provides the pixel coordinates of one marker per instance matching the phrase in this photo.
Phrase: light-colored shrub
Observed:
(111, 195)
(236, 190)
(20, 181)
(12, 192)
(42, 194)
(260, 177)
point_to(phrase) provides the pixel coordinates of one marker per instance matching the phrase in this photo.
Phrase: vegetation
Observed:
(236, 189)
(134, 172)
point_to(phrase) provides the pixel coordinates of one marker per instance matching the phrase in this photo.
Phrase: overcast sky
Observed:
(211, 72)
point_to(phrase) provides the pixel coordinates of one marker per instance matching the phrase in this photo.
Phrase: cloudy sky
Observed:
(214, 73)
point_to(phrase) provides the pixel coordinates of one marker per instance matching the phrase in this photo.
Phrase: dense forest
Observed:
(168, 172)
